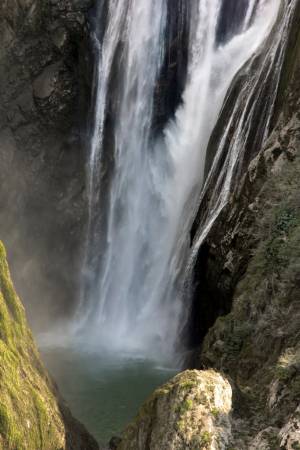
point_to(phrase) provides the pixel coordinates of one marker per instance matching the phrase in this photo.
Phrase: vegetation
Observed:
(258, 341)
(29, 414)
(182, 414)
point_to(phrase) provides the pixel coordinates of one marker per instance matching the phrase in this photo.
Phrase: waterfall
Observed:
(144, 185)
(240, 134)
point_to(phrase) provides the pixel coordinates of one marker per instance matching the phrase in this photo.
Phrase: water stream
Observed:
(143, 186)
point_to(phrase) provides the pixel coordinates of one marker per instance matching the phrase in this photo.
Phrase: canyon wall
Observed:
(44, 97)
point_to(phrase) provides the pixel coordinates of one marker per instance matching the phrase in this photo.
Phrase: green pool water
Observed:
(103, 392)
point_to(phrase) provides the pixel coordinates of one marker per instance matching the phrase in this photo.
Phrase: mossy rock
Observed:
(190, 411)
(32, 417)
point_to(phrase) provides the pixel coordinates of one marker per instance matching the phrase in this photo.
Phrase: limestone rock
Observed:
(191, 411)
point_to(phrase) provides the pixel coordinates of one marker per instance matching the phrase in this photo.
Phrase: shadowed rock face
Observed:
(171, 83)
(44, 90)
(232, 14)
(32, 414)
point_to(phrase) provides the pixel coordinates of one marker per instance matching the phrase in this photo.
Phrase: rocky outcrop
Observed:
(257, 344)
(32, 415)
(44, 76)
(190, 411)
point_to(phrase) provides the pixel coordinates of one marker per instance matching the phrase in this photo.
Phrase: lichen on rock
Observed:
(190, 411)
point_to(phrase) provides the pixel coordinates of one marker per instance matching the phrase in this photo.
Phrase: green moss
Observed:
(286, 218)
(180, 425)
(205, 438)
(12, 301)
(5, 329)
(201, 441)
(188, 385)
(4, 420)
(29, 415)
(184, 407)
(215, 412)
(179, 418)
(9, 428)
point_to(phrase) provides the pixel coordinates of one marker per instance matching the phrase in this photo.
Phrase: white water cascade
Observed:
(238, 135)
(142, 203)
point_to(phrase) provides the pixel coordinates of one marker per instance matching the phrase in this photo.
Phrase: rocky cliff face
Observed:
(32, 415)
(257, 344)
(250, 261)
(43, 98)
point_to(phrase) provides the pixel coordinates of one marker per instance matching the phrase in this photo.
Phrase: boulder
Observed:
(192, 411)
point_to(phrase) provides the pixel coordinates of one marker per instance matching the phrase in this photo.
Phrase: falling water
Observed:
(144, 186)
(241, 134)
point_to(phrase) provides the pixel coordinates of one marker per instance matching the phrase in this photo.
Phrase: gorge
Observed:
(150, 210)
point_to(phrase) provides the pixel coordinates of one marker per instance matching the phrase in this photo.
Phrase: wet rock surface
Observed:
(44, 90)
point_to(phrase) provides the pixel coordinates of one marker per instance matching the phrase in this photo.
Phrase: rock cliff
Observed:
(32, 414)
(44, 94)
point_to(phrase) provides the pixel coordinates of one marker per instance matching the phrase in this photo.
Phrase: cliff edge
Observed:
(32, 415)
